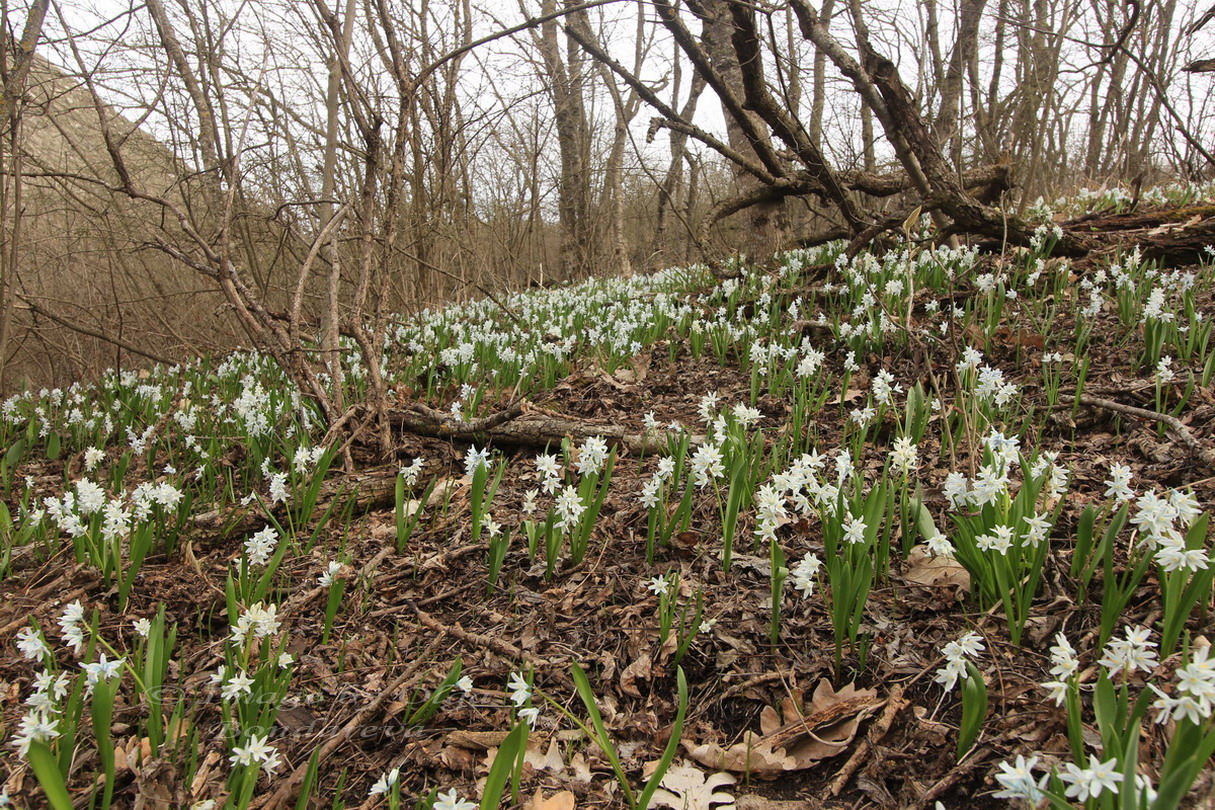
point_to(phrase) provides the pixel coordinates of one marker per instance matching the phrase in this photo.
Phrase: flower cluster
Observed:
(957, 653)
(1195, 690)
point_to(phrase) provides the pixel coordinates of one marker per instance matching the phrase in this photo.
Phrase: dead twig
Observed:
(894, 703)
(1172, 422)
(505, 649)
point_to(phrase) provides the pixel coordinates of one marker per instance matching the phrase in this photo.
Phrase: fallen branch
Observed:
(495, 645)
(1172, 422)
(519, 427)
(894, 703)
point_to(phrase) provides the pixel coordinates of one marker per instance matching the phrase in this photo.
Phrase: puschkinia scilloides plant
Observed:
(661, 521)
(960, 667)
(249, 703)
(594, 464)
(596, 731)
(102, 528)
(856, 540)
(730, 453)
(1170, 531)
(408, 513)
(49, 734)
(666, 588)
(483, 488)
(576, 506)
(1126, 690)
(334, 580)
(1002, 540)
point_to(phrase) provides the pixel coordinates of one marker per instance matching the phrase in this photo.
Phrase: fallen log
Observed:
(375, 489)
(519, 426)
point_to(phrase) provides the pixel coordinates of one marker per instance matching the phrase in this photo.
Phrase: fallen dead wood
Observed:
(520, 427)
(1172, 235)
(374, 490)
(1171, 422)
(894, 704)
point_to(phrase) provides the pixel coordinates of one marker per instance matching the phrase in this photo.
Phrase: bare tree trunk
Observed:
(767, 222)
(16, 67)
(818, 103)
(565, 74)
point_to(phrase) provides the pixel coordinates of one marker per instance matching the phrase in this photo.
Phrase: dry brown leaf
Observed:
(640, 669)
(562, 800)
(581, 768)
(686, 788)
(476, 740)
(154, 786)
(748, 756)
(795, 740)
(544, 760)
(934, 572)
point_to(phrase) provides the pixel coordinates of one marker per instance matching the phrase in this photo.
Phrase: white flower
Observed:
(1089, 782)
(1058, 690)
(465, 684)
(255, 751)
(260, 547)
(1063, 656)
(1018, 781)
(521, 691)
(278, 488)
(1118, 484)
(410, 472)
(659, 586)
(385, 783)
(592, 455)
(947, 676)
(31, 644)
(73, 614)
(1130, 653)
(956, 490)
(854, 530)
(530, 714)
(102, 669)
(547, 466)
(971, 644)
(939, 546)
(904, 455)
(475, 458)
(707, 464)
(332, 570)
(142, 626)
(238, 684)
(1164, 371)
(92, 457)
(451, 801)
(569, 508)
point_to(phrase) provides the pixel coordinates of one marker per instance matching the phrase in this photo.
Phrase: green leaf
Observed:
(504, 764)
(46, 768)
(52, 446)
(427, 710)
(13, 456)
(309, 779)
(583, 685)
(668, 754)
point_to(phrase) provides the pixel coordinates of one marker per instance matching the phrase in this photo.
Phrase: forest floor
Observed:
(791, 726)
